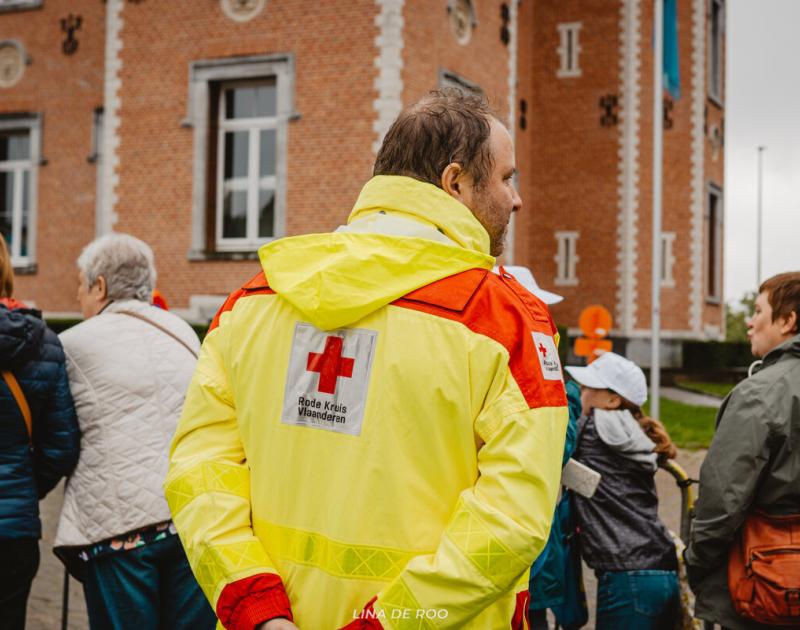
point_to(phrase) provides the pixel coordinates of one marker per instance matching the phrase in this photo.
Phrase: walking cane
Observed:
(65, 601)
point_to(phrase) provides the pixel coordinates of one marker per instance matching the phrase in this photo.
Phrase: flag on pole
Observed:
(672, 75)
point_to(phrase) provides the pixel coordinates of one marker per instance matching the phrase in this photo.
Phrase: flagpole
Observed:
(658, 152)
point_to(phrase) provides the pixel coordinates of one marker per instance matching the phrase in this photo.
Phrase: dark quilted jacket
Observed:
(34, 354)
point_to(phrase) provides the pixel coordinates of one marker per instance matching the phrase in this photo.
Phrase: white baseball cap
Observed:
(526, 279)
(614, 372)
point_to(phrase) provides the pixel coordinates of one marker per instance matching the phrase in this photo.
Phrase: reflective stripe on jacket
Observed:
(420, 461)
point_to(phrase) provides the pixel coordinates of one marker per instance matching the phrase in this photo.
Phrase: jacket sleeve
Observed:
(56, 434)
(500, 525)
(208, 491)
(729, 475)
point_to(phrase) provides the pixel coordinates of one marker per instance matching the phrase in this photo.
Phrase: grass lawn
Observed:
(714, 389)
(689, 426)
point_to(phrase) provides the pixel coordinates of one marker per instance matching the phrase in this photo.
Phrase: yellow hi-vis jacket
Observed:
(375, 414)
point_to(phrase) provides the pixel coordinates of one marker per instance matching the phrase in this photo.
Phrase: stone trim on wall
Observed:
(389, 62)
(697, 158)
(106, 217)
(628, 161)
(513, 79)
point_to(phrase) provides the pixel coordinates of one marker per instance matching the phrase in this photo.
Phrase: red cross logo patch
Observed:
(548, 356)
(328, 377)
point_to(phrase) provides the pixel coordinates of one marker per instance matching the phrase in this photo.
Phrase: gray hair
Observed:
(124, 261)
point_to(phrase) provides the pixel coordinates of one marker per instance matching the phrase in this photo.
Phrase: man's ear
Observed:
(789, 324)
(452, 181)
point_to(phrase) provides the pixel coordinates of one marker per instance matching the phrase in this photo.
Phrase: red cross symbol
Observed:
(543, 350)
(330, 364)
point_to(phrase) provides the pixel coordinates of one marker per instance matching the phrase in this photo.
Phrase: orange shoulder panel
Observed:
(257, 285)
(501, 309)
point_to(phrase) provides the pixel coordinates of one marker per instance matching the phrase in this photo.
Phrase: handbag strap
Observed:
(22, 403)
(161, 328)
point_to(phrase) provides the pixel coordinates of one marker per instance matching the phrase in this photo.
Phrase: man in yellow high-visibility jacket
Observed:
(373, 435)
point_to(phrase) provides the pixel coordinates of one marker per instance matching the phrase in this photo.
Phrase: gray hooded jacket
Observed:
(753, 463)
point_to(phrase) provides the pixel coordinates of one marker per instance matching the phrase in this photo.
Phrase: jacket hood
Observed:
(402, 234)
(620, 431)
(21, 332)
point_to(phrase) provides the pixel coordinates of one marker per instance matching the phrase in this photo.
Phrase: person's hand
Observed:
(277, 624)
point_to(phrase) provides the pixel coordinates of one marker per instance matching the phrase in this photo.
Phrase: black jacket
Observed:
(28, 472)
(619, 526)
(753, 463)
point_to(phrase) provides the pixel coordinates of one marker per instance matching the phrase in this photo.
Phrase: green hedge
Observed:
(702, 356)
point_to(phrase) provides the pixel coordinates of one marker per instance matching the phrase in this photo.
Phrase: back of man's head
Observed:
(445, 126)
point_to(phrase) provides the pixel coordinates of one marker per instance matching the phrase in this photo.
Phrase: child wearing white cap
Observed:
(622, 538)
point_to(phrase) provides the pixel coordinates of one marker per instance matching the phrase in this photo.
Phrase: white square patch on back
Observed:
(328, 376)
(548, 356)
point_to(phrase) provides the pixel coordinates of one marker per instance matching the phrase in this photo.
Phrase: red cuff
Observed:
(367, 620)
(244, 604)
(520, 619)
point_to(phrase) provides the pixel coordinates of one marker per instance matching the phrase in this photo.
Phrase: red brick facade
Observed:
(569, 164)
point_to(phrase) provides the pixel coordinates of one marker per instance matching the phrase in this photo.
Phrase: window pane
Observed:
(236, 154)
(266, 165)
(234, 214)
(23, 246)
(14, 145)
(267, 98)
(266, 213)
(240, 102)
(6, 203)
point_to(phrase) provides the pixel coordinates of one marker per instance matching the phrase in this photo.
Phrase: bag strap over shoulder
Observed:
(22, 403)
(161, 328)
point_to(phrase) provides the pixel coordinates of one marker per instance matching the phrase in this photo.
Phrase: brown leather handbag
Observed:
(764, 570)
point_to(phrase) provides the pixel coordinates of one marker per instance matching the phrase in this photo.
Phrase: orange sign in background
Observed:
(595, 323)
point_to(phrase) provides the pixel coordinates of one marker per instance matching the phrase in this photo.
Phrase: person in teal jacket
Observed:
(555, 576)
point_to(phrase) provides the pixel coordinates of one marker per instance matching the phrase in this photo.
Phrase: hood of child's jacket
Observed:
(21, 332)
(337, 279)
(622, 432)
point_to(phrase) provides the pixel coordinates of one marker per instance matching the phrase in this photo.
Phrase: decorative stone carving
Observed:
(462, 19)
(12, 63)
(242, 10)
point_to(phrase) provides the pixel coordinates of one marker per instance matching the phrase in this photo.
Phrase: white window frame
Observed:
(253, 182)
(716, 66)
(566, 259)
(714, 234)
(667, 259)
(31, 123)
(569, 49)
(202, 77)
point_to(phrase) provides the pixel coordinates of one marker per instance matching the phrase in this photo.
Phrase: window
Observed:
(19, 149)
(566, 259)
(96, 157)
(714, 211)
(667, 259)
(246, 164)
(715, 73)
(569, 49)
(240, 109)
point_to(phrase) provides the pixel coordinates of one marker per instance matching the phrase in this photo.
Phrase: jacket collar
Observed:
(424, 203)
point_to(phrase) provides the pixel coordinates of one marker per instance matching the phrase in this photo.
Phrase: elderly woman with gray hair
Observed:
(129, 365)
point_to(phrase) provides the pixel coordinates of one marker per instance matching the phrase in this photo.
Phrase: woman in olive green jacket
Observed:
(754, 458)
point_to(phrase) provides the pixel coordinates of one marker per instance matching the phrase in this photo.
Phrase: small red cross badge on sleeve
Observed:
(330, 364)
(542, 349)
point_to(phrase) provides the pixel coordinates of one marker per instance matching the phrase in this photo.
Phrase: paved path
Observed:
(691, 398)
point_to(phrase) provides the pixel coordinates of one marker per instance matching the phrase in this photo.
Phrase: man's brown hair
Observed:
(445, 126)
(6, 271)
(783, 293)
